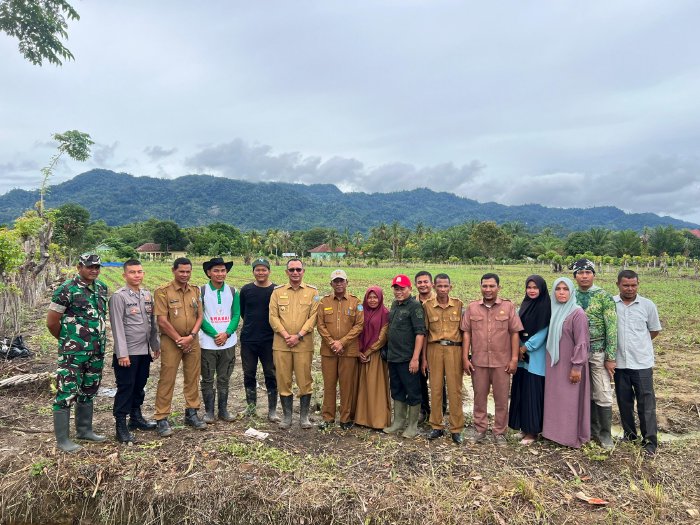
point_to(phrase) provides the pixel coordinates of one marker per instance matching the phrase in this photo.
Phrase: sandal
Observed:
(527, 441)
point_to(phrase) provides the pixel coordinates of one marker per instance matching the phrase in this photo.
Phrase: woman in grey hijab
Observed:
(567, 408)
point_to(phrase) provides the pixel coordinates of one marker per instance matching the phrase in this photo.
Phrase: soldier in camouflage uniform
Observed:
(76, 318)
(602, 325)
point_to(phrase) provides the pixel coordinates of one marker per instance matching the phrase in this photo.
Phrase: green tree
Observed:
(39, 25)
(626, 242)
(665, 239)
(169, 235)
(577, 243)
(73, 143)
(490, 239)
(71, 222)
(600, 240)
(519, 247)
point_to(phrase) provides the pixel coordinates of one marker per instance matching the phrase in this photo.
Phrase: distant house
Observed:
(324, 252)
(695, 232)
(103, 248)
(151, 251)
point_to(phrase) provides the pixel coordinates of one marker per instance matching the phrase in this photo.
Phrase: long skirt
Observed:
(526, 402)
(373, 407)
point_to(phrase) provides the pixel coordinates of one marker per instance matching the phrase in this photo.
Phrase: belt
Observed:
(445, 342)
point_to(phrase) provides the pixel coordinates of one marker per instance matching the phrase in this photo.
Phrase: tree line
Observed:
(468, 242)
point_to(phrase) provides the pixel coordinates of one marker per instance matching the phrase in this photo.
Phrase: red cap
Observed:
(401, 280)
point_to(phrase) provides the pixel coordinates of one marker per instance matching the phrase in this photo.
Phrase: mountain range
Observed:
(191, 200)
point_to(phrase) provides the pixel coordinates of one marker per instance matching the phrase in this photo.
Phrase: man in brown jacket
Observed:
(339, 323)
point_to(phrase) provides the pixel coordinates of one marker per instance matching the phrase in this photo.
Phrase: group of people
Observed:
(562, 350)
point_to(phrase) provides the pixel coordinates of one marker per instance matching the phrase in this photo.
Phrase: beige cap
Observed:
(339, 274)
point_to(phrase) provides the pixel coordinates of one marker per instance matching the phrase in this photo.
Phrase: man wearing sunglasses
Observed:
(293, 308)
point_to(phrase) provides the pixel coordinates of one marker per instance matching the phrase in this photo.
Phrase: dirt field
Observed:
(355, 476)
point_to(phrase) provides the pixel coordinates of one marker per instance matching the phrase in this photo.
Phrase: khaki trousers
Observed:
(483, 378)
(343, 370)
(601, 388)
(446, 361)
(293, 362)
(170, 357)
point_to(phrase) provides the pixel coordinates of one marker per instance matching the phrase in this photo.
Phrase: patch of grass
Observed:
(594, 452)
(38, 467)
(262, 453)
(655, 496)
(43, 343)
(526, 489)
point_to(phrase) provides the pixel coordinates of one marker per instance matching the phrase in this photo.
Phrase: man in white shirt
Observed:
(637, 324)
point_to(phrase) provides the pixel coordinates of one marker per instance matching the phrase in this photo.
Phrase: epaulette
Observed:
(311, 286)
(279, 286)
(119, 290)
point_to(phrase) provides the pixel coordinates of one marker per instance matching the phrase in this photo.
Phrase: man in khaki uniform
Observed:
(178, 308)
(442, 355)
(293, 309)
(339, 322)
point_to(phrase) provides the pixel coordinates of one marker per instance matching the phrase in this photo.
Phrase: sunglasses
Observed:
(295, 270)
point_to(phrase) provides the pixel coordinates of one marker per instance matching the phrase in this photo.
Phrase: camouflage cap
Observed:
(261, 261)
(90, 259)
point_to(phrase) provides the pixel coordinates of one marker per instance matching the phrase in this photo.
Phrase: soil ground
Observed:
(355, 476)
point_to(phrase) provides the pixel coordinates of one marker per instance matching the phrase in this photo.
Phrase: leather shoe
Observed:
(347, 425)
(163, 427)
(325, 425)
(457, 438)
(435, 433)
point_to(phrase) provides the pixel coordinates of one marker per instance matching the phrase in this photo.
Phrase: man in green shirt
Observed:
(404, 344)
(602, 325)
(217, 337)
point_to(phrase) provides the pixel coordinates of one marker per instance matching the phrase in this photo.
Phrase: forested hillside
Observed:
(119, 198)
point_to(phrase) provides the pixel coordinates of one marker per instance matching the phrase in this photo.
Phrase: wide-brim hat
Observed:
(216, 261)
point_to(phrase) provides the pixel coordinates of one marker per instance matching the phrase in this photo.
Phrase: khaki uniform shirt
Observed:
(490, 330)
(433, 295)
(181, 305)
(442, 321)
(294, 311)
(340, 320)
(133, 321)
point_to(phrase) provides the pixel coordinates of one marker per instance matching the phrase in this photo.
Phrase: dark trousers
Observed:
(251, 353)
(131, 381)
(405, 386)
(631, 385)
(217, 363)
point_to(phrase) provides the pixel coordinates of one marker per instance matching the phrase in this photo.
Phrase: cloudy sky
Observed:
(560, 103)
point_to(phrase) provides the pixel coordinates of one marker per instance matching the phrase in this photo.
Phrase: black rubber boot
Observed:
(83, 423)
(251, 401)
(595, 423)
(208, 399)
(223, 406)
(605, 420)
(304, 405)
(192, 419)
(61, 427)
(137, 421)
(123, 434)
(272, 407)
(287, 406)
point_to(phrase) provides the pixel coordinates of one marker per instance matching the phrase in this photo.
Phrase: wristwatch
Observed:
(193, 334)
(301, 337)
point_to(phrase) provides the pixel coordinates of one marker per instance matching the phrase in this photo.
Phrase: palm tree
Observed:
(600, 240)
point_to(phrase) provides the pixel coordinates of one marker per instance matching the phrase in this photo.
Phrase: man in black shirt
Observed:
(404, 345)
(256, 338)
